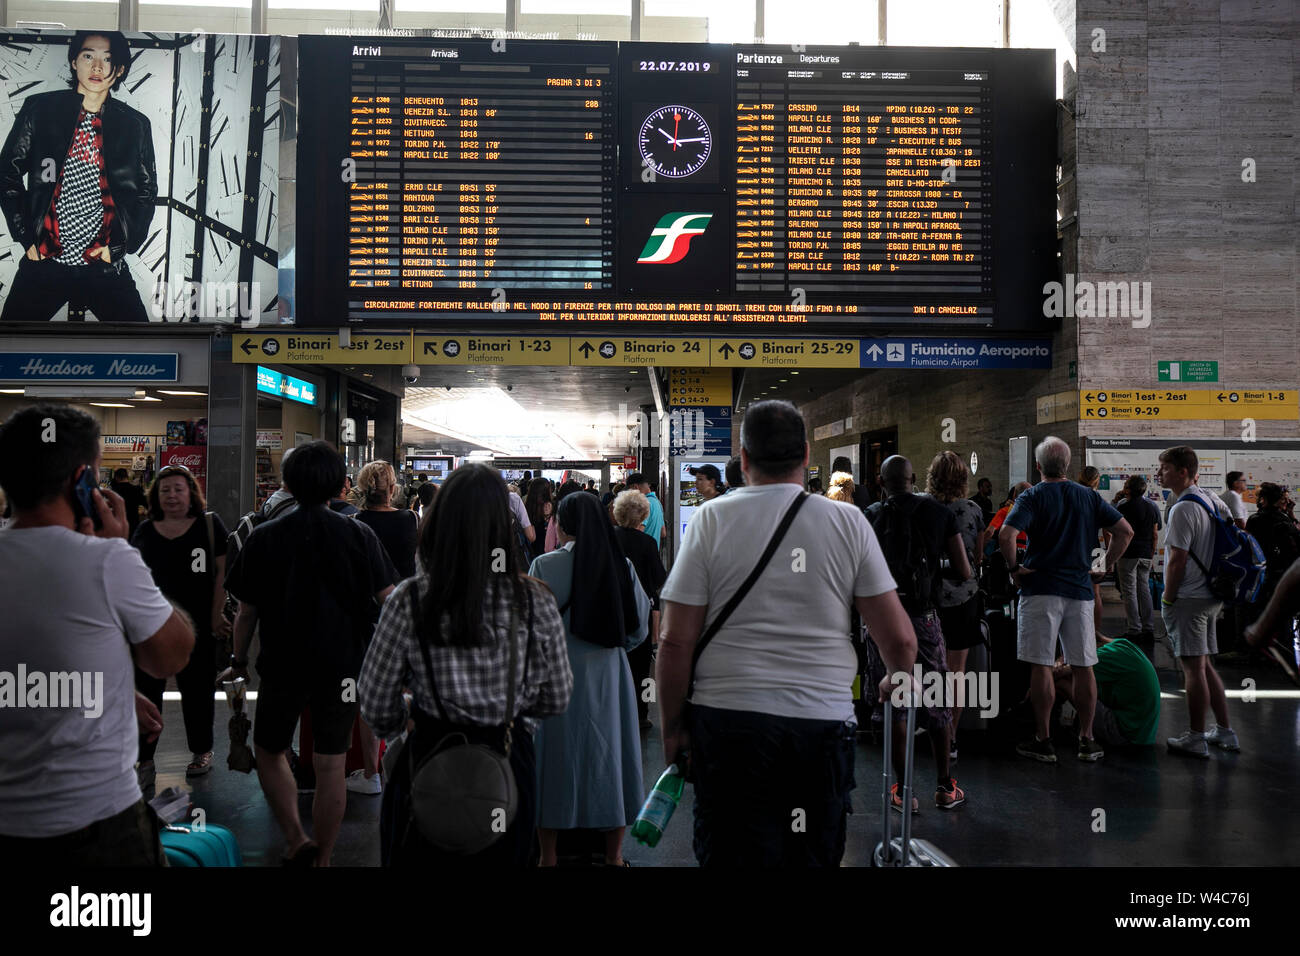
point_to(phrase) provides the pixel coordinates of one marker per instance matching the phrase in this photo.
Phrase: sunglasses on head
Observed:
(172, 470)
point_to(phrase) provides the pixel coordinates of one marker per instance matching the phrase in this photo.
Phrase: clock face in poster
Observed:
(675, 141)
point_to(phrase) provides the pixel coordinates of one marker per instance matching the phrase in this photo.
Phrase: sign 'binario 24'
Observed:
(652, 185)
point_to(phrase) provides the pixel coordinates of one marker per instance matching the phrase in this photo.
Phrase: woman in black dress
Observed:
(377, 484)
(184, 546)
(631, 508)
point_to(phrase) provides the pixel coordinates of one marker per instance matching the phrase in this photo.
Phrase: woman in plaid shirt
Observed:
(462, 602)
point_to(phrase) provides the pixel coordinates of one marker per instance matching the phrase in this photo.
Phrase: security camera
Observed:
(510, 388)
(411, 373)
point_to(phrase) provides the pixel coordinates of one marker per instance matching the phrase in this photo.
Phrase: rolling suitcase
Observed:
(189, 847)
(904, 850)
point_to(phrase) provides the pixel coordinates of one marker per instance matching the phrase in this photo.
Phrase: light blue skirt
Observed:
(589, 757)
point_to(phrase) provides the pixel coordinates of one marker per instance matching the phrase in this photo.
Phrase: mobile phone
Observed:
(85, 500)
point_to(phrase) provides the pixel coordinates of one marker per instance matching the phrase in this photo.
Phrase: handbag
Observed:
(463, 796)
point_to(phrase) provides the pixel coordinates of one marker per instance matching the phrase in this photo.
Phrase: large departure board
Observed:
(518, 183)
(473, 173)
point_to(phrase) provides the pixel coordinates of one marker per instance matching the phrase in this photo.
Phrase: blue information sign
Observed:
(955, 353)
(285, 386)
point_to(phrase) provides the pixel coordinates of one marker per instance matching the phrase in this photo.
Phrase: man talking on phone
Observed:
(80, 609)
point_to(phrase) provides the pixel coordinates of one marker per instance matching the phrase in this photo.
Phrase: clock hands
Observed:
(675, 141)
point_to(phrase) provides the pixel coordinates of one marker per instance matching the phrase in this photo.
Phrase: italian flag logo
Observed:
(670, 239)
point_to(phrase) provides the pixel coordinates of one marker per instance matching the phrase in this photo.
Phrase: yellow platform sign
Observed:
(1191, 405)
(640, 352)
(492, 350)
(321, 348)
(784, 353)
(699, 386)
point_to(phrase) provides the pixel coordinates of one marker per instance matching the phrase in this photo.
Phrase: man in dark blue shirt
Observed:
(1056, 600)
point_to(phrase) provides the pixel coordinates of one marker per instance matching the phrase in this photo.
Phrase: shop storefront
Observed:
(150, 394)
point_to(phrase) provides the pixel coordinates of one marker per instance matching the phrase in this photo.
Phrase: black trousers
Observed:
(43, 287)
(770, 791)
(129, 838)
(198, 701)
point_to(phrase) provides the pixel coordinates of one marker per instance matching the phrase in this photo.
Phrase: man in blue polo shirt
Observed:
(654, 523)
(1056, 599)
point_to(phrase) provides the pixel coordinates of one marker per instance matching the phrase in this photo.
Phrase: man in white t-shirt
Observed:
(769, 736)
(1189, 609)
(83, 608)
(1234, 488)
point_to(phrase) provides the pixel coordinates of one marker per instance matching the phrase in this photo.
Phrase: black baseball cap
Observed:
(708, 471)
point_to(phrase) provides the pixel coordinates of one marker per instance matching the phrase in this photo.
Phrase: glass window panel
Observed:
(945, 23)
(359, 6)
(730, 21)
(452, 6)
(607, 8)
(1034, 26)
(831, 22)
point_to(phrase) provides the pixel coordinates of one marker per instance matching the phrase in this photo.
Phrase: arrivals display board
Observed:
(533, 182)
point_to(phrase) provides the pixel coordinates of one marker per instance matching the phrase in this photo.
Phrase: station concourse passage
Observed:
(1159, 809)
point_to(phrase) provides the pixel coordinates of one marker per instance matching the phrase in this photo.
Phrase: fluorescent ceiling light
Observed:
(163, 391)
(112, 405)
(147, 398)
(11, 391)
(71, 391)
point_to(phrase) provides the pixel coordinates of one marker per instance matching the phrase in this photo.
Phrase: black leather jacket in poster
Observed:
(44, 130)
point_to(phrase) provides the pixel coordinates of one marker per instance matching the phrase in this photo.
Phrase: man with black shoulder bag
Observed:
(769, 734)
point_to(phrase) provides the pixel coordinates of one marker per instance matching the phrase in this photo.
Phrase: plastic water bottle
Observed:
(659, 806)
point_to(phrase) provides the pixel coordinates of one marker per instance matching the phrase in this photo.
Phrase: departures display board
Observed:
(517, 183)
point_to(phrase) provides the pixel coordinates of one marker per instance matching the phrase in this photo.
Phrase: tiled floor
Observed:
(1157, 809)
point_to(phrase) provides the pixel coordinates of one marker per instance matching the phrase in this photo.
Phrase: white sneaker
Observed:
(358, 783)
(1190, 743)
(1224, 737)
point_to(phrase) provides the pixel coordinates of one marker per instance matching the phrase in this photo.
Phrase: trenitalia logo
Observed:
(671, 237)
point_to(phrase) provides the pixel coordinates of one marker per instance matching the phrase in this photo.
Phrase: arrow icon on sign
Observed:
(247, 346)
(726, 349)
(1088, 397)
(875, 352)
(586, 349)
(430, 348)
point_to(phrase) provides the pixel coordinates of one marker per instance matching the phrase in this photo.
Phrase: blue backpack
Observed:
(1237, 568)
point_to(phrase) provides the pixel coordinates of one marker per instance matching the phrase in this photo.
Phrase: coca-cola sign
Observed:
(193, 457)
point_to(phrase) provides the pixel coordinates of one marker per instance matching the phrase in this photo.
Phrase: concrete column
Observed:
(128, 15)
(882, 21)
(259, 15)
(232, 434)
(634, 36)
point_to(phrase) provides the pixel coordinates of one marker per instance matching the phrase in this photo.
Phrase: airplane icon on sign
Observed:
(894, 352)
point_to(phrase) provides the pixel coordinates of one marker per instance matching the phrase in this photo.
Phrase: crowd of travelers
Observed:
(532, 632)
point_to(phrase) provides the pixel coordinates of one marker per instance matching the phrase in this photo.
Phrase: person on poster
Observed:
(77, 220)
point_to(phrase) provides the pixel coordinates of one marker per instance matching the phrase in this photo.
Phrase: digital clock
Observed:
(675, 141)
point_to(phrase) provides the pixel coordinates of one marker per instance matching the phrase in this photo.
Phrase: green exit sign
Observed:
(1187, 371)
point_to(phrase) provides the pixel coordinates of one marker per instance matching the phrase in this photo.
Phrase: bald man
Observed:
(916, 533)
(1062, 520)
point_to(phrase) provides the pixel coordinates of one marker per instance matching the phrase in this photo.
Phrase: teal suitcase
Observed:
(189, 847)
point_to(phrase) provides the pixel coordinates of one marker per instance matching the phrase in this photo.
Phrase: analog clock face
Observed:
(675, 141)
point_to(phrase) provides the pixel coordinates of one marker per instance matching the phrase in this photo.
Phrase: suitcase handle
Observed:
(909, 755)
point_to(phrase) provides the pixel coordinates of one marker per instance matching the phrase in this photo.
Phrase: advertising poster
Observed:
(139, 177)
(688, 495)
(193, 457)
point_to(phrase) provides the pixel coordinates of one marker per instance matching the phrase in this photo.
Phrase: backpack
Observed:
(1237, 566)
(904, 552)
(236, 539)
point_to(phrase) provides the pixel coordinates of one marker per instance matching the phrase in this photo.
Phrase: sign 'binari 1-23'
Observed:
(656, 184)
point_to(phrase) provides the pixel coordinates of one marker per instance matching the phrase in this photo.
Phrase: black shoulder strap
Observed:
(749, 582)
(414, 594)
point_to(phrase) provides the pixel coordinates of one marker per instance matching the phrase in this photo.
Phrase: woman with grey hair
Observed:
(631, 508)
